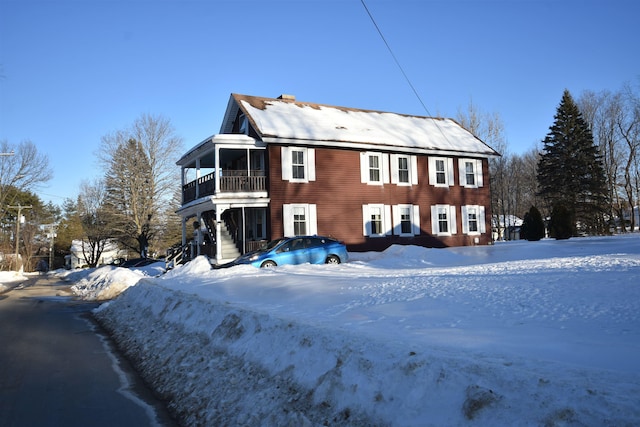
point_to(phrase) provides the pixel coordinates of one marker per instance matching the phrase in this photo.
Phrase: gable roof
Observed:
(286, 121)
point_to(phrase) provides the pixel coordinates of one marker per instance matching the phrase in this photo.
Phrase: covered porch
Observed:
(224, 165)
(223, 231)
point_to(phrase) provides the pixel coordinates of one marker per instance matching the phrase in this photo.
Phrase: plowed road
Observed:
(58, 369)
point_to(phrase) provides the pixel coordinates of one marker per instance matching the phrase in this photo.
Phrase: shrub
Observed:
(561, 224)
(533, 225)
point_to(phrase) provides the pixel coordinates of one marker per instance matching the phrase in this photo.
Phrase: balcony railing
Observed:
(231, 181)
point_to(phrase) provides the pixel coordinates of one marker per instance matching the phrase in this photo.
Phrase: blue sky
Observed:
(74, 71)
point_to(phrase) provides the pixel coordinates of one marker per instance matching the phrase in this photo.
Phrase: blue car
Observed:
(296, 250)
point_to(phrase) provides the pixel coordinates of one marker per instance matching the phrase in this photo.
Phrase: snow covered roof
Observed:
(285, 120)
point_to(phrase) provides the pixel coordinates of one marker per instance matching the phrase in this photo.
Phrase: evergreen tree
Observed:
(532, 225)
(570, 171)
(561, 223)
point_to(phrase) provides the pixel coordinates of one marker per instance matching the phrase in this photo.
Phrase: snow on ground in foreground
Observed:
(518, 333)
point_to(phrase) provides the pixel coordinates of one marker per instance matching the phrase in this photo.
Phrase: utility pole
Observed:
(51, 234)
(18, 219)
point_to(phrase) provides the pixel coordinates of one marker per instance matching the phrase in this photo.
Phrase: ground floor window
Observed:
(473, 220)
(376, 220)
(443, 220)
(406, 220)
(299, 219)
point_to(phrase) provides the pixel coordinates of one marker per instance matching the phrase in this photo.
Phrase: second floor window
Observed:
(470, 172)
(374, 168)
(403, 170)
(441, 171)
(297, 164)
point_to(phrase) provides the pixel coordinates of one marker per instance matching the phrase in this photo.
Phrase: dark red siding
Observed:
(339, 195)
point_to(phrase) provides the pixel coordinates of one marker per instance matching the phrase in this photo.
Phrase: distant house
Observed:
(76, 259)
(506, 227)
(280, 167)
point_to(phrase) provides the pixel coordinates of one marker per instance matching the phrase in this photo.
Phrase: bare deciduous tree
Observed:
(21, 168)
(140, 175)
(94, 219)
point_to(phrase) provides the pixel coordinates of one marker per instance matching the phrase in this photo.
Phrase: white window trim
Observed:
(449, 172)
(481, 220)
(364, 167)
(451, 220)
(386, 220)
(414, 212)
(310, 214)
(477, 170)
(309, 158)
(413, 169)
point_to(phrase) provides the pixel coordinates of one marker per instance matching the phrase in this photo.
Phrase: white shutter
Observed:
(311, 164)
(285, 153)
(385, 168)
(395, 179)
(287, 220)
(482, 220)
(451, 171)
(397, 223)
(452, 220)
(416, 220)
(387, 220)
(414, 169)
(462, 172)
(478, 171)
(465, 220)
(434, 220)
(364, 168)
(432, 171)
(313, 220)
(366, 221)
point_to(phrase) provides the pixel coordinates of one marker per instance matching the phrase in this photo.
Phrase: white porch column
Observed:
(216, 161)
(218, 228)
(184, 231)
(197, 178)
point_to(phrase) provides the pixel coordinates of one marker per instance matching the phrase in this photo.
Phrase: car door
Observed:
(292, 252)
(316, 251)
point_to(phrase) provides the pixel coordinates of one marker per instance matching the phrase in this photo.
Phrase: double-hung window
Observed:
(299, 219)
(376, 220)
(473, 220)
(404, 170)
(374, 168)
(443, 220)
(441, 171)
(406, 220)
(375, 174)
(470, 172)
(298, 164)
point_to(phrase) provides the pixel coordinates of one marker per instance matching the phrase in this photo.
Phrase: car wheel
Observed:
(332, 259)
(268, 264)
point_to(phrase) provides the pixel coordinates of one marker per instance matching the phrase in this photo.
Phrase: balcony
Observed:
(231, 181)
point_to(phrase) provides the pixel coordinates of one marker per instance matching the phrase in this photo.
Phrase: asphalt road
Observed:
(57, 368)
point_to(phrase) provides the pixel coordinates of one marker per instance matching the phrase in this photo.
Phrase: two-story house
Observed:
(281, 167)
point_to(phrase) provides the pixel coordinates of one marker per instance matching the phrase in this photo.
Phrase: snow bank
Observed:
(521, 333)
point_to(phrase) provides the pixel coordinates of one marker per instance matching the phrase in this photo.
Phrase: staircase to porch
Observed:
(228, 246)
(226, 241)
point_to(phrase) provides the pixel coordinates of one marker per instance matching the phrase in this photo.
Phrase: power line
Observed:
(415, 92)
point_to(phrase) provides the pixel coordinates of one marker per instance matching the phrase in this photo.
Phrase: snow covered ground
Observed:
(518, 333)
